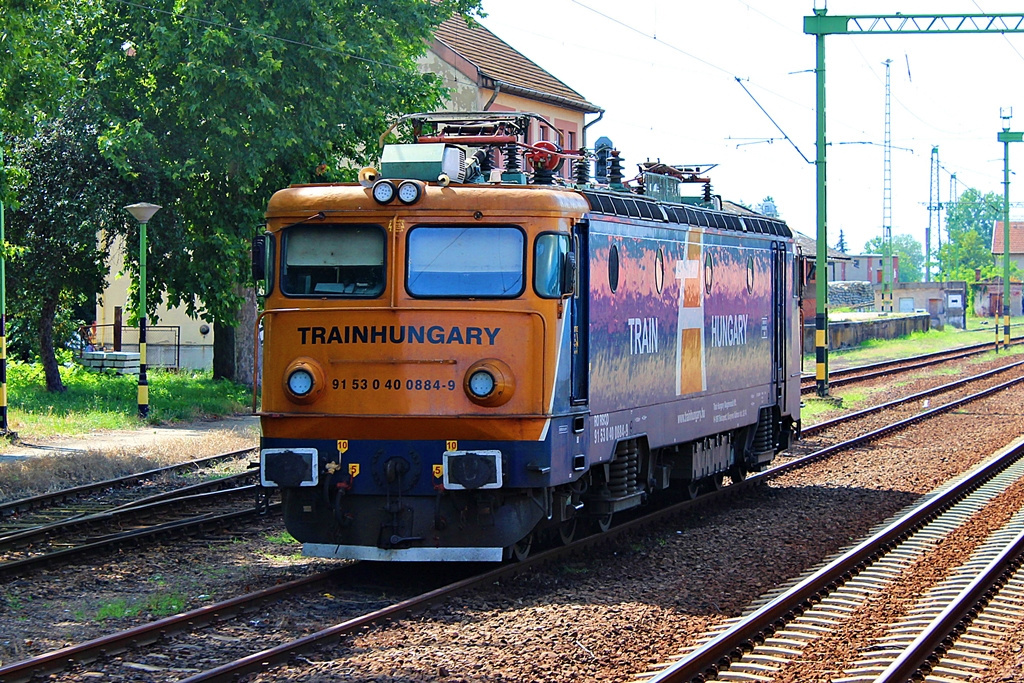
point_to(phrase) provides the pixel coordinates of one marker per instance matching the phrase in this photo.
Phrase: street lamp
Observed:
(1006, 137)
(142, 213)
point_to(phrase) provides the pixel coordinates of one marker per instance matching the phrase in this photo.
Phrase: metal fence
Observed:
(163, 342)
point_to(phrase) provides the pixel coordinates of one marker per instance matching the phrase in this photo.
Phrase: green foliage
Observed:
(283, 538)
(160, 604)
(969, 224)
(118, 609)
(105, 400)
(68, 194)
(841, 242)
(910, 252)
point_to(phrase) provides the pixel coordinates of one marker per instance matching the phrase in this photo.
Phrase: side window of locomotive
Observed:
(344, 261)
(709, 272)
(270, 261)
(455, 261)
(548, 264)
(613, 268)
(659, 270)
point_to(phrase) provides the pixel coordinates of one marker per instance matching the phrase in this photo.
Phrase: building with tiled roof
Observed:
(1016, 243)
(483, 72)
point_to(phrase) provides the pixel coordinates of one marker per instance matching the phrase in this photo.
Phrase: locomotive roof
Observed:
(638, 206)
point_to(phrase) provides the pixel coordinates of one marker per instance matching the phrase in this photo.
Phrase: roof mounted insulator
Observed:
(581, 168)
(511, 153)
(615, 170)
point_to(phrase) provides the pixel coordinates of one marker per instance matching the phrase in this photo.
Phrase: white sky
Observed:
(664, 71)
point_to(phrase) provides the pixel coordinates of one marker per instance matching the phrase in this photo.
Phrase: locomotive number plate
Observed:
(393, 384)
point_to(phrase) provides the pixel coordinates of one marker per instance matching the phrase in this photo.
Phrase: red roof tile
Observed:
(497, 61)
(1016, 238)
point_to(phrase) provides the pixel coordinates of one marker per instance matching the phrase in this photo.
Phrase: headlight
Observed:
(481, 384)
(300, 382)
(304, 380)
(489, 383)
(409, 192)
(384, 191)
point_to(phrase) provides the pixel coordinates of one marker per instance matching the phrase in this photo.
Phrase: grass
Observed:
(978, 330)
(98, 402)
(283, 538)
(102, 400)
(161, 604)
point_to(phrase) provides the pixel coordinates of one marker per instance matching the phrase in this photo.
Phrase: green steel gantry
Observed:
(820, 24)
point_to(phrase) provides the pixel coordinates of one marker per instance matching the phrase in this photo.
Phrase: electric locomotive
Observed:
(462, 356)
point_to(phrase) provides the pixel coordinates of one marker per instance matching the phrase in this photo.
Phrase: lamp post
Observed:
(1006, 137)
(142, 213)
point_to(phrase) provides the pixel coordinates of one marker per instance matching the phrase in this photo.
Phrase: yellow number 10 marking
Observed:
(451, 445)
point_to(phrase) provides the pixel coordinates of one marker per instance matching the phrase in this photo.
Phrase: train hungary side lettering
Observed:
(398, 334)
(729, 330)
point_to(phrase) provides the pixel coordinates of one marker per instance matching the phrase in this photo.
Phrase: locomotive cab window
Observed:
(455, 261)
(551, 263)
(333, 260)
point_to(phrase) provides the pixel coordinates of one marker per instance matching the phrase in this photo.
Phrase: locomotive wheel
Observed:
(567, 531)
(738, 473)
(693, 488)
(603, 523)
(716, 482)
(520, 550)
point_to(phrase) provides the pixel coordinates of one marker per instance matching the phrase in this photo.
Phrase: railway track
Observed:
(97, 496)
(946, 632)
(886, 368)
(173, 516)
(258, 661)
(116, 512)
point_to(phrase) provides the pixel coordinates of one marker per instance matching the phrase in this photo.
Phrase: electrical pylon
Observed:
(887, 200)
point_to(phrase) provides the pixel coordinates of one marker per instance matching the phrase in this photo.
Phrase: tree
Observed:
(841, 242)
(69, 193)
(227, 101)
(969, 225)
(909, 251)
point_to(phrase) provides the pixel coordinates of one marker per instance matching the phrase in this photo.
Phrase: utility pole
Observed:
(887, 199)
(934, 206)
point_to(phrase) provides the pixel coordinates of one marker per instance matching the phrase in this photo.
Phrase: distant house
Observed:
(484, 73)
(870, 268)
(1016, 244)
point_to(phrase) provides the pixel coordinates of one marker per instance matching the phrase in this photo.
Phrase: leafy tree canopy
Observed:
(969, 224)
(909, 251)
(69, 194)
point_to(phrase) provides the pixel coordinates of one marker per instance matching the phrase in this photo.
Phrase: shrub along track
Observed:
(611, 614)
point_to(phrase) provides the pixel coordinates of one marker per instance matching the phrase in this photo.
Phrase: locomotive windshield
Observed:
(455, 261)
(333, 260)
